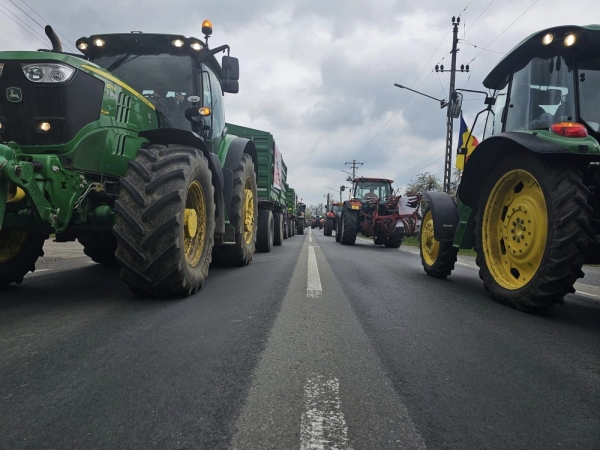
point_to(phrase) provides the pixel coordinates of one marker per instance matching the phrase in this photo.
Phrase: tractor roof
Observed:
(139, 43)
(587, 42)
(379, 180)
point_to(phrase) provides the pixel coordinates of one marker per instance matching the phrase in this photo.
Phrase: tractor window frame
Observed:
(496, 116)
(216, 105)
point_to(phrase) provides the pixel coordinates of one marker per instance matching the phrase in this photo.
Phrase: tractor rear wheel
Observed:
(19, 251)
(438, 258)
(533, 231)
(349, 226)
(165, 221)
(395, 239)
(100, 246)
(265, 235)
(244, 210)
(328, 228)
(301, 226)
(278, 231)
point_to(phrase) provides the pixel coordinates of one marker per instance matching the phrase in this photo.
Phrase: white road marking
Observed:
(587, 294)
(323, 425)
(310, 235)
(40, 270)
(463, 264)
(313, 288)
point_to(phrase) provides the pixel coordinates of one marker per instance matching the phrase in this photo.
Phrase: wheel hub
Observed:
(191, 222)
(194, 224)
(429, 245)
(248, 213)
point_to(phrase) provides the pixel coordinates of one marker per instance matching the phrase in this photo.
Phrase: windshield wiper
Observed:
(121, 61)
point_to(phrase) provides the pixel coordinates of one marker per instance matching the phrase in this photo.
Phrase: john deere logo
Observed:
(14, 94)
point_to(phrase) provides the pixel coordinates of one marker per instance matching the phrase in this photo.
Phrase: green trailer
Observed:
(529, 196)
(273, 215)
(124, 148)
(290, 195)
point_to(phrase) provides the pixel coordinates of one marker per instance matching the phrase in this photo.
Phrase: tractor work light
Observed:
(196, 46)
(204, 111)
(48, 72)
(99, 42)
(178, 43)
(45, 126)
(548, 39)
(570, 129)
(570, 39)
(207, 27)
(82, 46)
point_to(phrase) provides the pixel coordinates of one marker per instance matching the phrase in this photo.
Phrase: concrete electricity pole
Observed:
(355, 165)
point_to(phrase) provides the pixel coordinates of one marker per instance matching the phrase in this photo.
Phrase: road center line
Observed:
(313, 288)
(323, 425)
(587, 294)
(310, 235)
(463, 264)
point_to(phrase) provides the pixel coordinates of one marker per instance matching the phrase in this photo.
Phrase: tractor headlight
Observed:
(48, 72)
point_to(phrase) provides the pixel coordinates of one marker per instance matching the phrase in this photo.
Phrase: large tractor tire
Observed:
(165, 221)
(19, 251)
(278, 230)
(349, 226)
(266, 231)
(286, 227)
(395, 239)
(100, 246)
(338, 229)
(244, 212)
(328, 228)
(301, 226)
(438, 258)
(533, 231)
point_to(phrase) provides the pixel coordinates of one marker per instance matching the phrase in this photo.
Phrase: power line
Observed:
(486, 8)
(23, 27)
(72, 46)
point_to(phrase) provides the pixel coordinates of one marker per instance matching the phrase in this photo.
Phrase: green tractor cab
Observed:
(529, 197)
(125, 148)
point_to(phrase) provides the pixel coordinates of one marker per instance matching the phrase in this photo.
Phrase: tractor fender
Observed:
(353, 204)
(170, 136)
(235, 151)
(488, 154)
(445, 215)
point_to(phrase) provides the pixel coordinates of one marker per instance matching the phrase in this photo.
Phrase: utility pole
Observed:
(327, 204)
(355, 166)
(449, 119)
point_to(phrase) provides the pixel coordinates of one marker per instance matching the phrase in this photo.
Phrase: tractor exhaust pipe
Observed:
(56, 44)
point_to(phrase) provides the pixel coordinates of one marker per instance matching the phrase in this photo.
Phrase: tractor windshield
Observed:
(372, 189)
(542, 94)
(166, 80)
(336, 209)
(589, 92)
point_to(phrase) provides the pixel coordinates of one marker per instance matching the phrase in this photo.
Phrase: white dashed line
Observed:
(587, 294)
(463, 264)
(313, 287)
(323, 425)
(310, 235)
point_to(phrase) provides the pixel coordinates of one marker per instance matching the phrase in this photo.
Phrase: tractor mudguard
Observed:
(445, 215)
(353, 204)
(235, 151)
(486, 155)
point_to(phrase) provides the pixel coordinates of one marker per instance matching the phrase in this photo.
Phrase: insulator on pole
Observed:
(442, 67)
(467, 68)
(437, 68)
(462, 67)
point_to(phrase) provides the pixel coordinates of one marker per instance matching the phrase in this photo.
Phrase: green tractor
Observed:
(125, 149)
(529, 197)
(301, 218)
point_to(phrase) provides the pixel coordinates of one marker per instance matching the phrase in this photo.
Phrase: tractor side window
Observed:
(218, 111)
(494, 121)
(542, 94)
(589, 92)
(206, 96)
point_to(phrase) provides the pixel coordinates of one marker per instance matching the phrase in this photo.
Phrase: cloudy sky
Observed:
(319, 74)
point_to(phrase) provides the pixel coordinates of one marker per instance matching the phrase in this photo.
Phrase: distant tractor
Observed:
(316, 222)
(125, 149)
(301, 221)
(373, 211)
(529, 198)
(331, 218)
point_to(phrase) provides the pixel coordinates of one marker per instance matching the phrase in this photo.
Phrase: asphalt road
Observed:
(312, 346)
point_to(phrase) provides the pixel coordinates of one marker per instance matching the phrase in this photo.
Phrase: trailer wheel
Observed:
(278, 230)
(100, 246)
(165, 221)
(395, 239)
(349, 226)
(533, 231)
(19, 251)
(286, 227)
(437, 257)
(265, 235)
(244, 210)
(328, 228)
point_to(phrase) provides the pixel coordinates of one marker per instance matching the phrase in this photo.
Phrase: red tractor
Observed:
(331, 219)
(375, 211)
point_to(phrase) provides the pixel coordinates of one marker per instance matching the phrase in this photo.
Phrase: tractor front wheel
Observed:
(19, 251)
(378, 239)
(100, 246)
(327, 230)
(165, 221)
(533, 231)
(244, 209)
(437, 257)
(349, 226)
(395, 239)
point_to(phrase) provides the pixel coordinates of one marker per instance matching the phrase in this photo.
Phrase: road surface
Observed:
(312, 346)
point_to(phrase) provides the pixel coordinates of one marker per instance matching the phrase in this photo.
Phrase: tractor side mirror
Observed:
(455, 105)
(231, 86)
(230, 68)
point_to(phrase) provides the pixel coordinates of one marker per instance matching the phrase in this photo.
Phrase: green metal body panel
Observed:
(291, 201)
(265, 149)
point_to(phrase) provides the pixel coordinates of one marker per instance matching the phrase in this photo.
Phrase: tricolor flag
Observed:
(464, 148)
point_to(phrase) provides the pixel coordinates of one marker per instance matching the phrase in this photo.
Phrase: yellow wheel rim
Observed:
(194, 228)
(429, 246)
(248, 213)
(11, 242)
(514, 229)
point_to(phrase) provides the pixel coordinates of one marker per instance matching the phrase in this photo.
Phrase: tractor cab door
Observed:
(212, 98)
